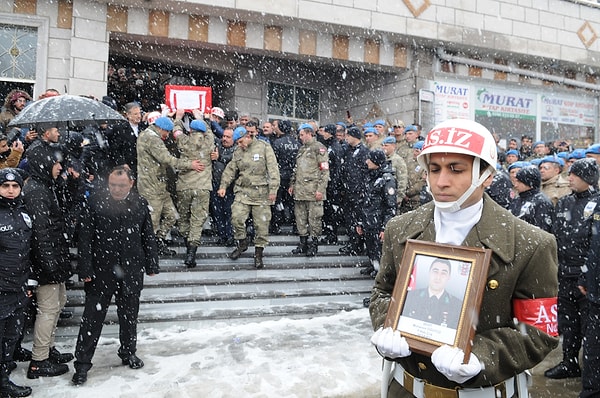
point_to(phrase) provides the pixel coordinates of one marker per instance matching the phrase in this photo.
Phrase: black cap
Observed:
(586, 169)
(354, 132)
(378, 157)
(10, 174)
(530, 176)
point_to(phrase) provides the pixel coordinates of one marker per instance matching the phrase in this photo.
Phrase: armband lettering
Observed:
(540, 313)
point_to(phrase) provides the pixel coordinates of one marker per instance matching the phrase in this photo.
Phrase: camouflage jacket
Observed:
(311, 173)
(196, 146)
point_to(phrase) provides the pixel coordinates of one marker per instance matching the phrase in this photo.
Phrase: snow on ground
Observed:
(325, 356)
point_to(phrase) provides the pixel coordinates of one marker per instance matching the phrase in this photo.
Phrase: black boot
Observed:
(45, 368)
(190, 257)
(302, 246)
(163, 250)
(258, 257)
(81, 371)
(56, 357)
(564, 370)
(242, 246)
(312, 248)
(8, 389)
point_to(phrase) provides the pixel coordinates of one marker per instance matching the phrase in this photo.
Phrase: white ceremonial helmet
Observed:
(466, 137)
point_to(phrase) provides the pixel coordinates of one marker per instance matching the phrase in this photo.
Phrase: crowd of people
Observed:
(132, 185)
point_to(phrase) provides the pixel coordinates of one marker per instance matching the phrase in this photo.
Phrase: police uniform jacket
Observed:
(535, 208)
(590, 279)
(218, 165)
(255, 173)
(286, 149)
(196, 146)
(117, 242)
(15, 235)
(523, 266)
(311, 173)
(335, 152)
(153, 160)
(354, 170)
(572, 228)
(380, 199)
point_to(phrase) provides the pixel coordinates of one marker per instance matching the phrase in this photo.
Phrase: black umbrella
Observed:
(68, 110)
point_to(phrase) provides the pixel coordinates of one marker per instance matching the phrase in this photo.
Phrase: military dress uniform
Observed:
(255, 175)
(311, 175)
(523, 266)
(153, 160)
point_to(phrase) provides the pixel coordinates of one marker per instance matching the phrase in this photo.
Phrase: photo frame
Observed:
(456, 275)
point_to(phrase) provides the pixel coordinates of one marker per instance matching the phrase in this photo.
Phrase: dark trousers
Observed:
(221, 213)
(283, 209)
(590, 377)
(372, 244)
(352, 217)
(332, 216)
(11, 324)
(94, 313)
(572, 313)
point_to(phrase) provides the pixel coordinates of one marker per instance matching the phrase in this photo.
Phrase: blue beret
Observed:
(239, 132)
(370, 130)
(389, 140)
(305, 126)
(577, 154)
(538, 143)
(536, 161)
(553, 159)
(341, 124)
(594, 149)
(411, 127)
(518, 165)
(380, 122)
(164, 123)
(563, 155)
(368, 124)
(198, 125)
(512, 152)
(419, 145)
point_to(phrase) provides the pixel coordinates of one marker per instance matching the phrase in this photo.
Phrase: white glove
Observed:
(390, 344)
(449, 361)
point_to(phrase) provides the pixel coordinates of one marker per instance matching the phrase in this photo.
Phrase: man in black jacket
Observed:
(15, 234)
(50, 263)
(116, 246)
(532, 205)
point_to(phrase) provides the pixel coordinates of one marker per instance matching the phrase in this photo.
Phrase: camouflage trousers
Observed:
(162, 211)
(309, 214)
(261, 215)
(193, 205)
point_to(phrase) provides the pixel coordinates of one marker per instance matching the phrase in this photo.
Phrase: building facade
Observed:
(518, 66)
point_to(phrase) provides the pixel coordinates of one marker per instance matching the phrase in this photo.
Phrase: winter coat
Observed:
(117, 242)
(311, 173)
(153, 160)
(49, 244)
(523, 266)
(335, 152)
(122, 142)
(380, 199)
(590, 278)
(255, 173)
(196, 146)
(555, 188)
(218, 165)
(354, 170)
(535, 208)
(286, 149)
(501, 189)
(15, 236)
(572, 228)
(416, 182)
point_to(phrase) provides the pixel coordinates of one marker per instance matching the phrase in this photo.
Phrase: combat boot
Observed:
(163, 250)
(302, 246)
(242, 246)
(312, 248)
(190, 257)
(8, 389)
(258, 257)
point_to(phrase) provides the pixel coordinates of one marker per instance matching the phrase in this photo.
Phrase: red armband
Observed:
(541, 313)
(324, 166)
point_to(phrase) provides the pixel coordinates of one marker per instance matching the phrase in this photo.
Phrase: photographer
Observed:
(11, 149)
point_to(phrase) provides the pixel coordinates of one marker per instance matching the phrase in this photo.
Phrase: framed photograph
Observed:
(437, 295)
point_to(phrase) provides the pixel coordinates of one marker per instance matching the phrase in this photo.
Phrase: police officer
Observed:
(460, 158)
(308, 186)
(221, 206)
(254, 171)
(193, 188)
(572, 227)
(378, 208)
(354, 177)
(153, 158)
(332, 207)
(532, 205)
(15, 235)
(286, 149)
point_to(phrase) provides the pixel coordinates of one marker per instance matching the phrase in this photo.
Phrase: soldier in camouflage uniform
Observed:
(398, 167)
(193, 188)
(153, 160)
(256, 175)
(309, 188)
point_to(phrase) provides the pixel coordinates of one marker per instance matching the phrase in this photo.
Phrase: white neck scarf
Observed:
(453, 227)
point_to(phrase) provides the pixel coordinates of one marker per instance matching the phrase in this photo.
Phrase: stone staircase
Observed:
(219, 288)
